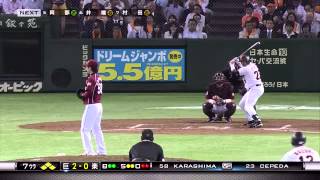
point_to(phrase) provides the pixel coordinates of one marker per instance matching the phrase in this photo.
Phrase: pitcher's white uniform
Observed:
(301, 153)
(91, 118)
(254, 86)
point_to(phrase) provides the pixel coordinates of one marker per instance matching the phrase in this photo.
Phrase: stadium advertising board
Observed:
(141, 65)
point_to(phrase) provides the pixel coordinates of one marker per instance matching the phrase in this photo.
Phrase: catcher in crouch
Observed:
(219, 99)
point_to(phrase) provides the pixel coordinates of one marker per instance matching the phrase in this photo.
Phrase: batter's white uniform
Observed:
(254, 86)
(301, 153)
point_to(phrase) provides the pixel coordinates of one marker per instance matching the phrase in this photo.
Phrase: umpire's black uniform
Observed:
(146, 150)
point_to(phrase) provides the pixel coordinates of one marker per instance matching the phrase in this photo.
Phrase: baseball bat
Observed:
(254, 45)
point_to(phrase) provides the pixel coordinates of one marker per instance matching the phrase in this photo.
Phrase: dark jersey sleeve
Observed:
(229, 91)
(160, 156)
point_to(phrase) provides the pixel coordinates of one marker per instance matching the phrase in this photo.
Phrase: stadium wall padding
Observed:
(203, 59)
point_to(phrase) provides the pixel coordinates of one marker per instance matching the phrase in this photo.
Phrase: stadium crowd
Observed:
(177, 19)
(173, 19)
(281, 19)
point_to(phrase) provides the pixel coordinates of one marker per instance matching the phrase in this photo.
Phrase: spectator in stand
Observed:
(278, 24)
(249, 32)
(87, 26)
(136, 31)
(314, 23)
(133, 19)
(174, 9)
(159, 17)
(309, 9)
(249, 14)
(202, 3)
(299, 11)
(171, 19)
(173, 32)
(189, 9)
(118, 4)
(271, 12)
(105, 3)
(260, 7)
(201, 23)
(269, 33)
(94, 4)
(293, 18)
(116, 32)
(32, 4)
(191, 32)
(96, 31)
(59, 4)
(116, 20)
(288, 33)
(306, 32)
(9, 7)
(139, 3)
(149, 27)
(157, 32)
(163, 3)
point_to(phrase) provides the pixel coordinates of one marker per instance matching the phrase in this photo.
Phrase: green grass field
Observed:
(18, 109)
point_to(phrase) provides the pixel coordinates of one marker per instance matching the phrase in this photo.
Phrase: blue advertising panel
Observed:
(141, 65)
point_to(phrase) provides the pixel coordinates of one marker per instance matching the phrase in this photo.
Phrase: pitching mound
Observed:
(185, 126)
(114, 158)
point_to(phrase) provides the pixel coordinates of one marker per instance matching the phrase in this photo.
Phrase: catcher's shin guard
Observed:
(207, 110)
(231, 109)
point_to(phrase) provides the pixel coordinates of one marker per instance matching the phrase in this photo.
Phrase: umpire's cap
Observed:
(93, 65)
(147, 134)
(298, 139)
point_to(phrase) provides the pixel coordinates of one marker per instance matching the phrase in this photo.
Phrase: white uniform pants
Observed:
(248, 101)
(91, 122)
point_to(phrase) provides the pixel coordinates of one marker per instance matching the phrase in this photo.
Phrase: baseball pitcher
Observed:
(300, 152)
(91, 119)
(254, 86)
(219, 99)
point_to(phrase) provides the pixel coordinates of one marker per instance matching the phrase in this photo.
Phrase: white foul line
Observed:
(136, 126)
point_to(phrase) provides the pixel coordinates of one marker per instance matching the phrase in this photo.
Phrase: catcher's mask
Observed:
(244, 60)
(147, 134)
(298, 139)
(219, 76)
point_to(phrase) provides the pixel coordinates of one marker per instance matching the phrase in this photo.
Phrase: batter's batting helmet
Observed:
(93, 65)
(298, 139)
(219, 76)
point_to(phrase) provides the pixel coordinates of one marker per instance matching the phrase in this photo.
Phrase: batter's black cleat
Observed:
(251, 124)
(258, 124)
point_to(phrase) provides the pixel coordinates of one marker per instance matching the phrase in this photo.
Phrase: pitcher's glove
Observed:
(79, 93)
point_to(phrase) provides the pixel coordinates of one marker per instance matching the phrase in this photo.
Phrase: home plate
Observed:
(214, 127)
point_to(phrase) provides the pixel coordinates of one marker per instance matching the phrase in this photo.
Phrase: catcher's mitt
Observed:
(220, 102)
(79, 93)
